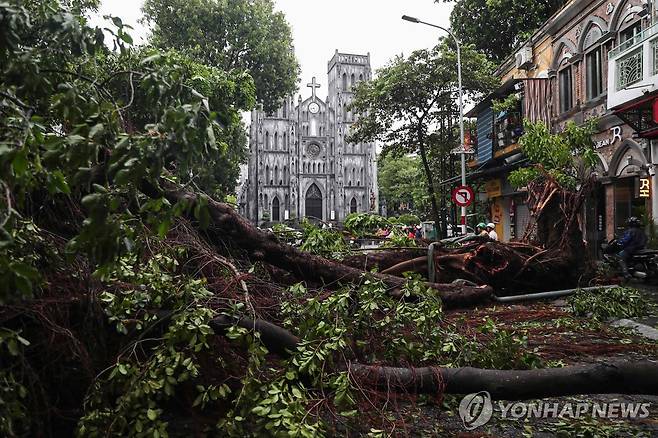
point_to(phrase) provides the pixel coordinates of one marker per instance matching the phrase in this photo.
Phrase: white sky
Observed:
(322, 26)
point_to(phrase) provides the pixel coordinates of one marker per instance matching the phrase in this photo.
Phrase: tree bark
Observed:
(602, 378)
(430, 181)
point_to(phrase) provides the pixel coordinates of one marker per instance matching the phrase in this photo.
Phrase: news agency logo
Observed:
(476, 410)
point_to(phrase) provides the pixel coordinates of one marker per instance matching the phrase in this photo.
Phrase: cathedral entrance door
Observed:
(314, 202)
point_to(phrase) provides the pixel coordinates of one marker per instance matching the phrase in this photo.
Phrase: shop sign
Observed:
(645, 188)
(615, 136)
(494, 188)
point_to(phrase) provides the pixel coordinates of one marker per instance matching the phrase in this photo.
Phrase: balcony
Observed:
(633, 69)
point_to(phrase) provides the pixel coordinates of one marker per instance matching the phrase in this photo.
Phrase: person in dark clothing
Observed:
(633, 240)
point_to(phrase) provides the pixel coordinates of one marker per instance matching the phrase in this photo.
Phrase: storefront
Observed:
(630, 184)
(508, 209)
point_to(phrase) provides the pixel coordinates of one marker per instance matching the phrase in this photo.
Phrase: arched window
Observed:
(353, 174)
(267, 140)
(593, 63)
(276, 217)
(352, 83)
(276, 141)
(276, 174)
(268, 176)
(361, 77)
(361, 172)
(267, 204)
(344, 81)
(323, 168)
(285, 111)
(353, 205)
(285, 175)
(285, 141)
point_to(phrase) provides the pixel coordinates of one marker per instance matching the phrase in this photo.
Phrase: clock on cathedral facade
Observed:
(300, 165)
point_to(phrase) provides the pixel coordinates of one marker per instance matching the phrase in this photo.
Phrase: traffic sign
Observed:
(463, 196)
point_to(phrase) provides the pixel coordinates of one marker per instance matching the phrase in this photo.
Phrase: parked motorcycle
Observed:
(642, 265)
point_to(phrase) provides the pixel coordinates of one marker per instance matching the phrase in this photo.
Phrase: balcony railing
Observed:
(632, 42)
(633, 68)
(629, 69)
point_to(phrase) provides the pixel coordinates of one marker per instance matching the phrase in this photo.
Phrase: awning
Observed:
(641, 115)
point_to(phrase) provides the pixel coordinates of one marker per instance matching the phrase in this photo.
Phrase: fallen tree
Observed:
(600, 378)
(133, 304)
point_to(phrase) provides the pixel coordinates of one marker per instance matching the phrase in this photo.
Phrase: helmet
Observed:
(491, 225)
(634, 222)
(482, 225)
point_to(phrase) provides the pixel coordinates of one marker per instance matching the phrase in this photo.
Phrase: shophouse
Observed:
(561, 74)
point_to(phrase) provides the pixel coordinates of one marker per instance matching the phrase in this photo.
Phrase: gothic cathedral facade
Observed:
(299, 162)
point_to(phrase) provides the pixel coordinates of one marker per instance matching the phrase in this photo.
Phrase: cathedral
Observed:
(299, 162)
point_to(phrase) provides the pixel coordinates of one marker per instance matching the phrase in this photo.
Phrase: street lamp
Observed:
(462, 151)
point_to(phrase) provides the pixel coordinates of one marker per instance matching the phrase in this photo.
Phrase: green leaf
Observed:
(20, 162)
(24, 270)
(151, 414)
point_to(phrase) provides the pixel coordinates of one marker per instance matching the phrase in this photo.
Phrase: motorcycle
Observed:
(642, 265)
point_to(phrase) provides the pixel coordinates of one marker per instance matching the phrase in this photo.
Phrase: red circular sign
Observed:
(463, 196)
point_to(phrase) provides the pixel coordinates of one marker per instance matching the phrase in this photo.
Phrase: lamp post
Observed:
(462, 151)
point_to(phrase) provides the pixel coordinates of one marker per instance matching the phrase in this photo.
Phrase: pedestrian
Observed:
(419, 232)
(491, 229)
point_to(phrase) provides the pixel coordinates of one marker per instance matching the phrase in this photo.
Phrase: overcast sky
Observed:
(322, 26)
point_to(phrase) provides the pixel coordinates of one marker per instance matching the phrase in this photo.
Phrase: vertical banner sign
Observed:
(645, 188)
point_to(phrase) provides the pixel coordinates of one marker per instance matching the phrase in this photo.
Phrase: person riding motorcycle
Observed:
(481, 230)
(633, 240)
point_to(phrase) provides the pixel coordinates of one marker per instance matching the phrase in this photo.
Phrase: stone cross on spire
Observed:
(313, 85)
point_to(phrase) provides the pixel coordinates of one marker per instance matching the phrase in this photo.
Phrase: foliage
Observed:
(405, 219)
(323, 242)
(402, 181)
(236, 35)
(497, 27)
(142, 385)
(510, 103)
(13, 409)
(87, 137)
(362, 224)
(411, 96)
(398, 239)
(619, 302)
(554, 154)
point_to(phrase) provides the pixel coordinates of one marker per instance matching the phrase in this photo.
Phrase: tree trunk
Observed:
(430, 182)
(226, 223)
(382, 259)
(602, 378)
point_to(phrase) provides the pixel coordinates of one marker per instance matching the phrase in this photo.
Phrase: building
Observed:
(299, 162)
(584, 62)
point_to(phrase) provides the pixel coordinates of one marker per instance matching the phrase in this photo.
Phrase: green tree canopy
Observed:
(412, 97)
(568, 156)
(496, 27)
(246, 35)
(402, 181)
